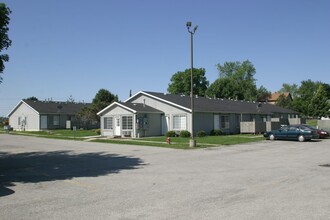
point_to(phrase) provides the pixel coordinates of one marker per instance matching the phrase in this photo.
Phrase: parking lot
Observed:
(59, 179)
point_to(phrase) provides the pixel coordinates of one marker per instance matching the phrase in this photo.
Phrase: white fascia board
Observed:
(134, 96)
(127, 108)
(160, 99)
(21, 102)
(115, 103)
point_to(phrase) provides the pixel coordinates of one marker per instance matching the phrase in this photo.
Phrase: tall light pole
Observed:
(192, 142)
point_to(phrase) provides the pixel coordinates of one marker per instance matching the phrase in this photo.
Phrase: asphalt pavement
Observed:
(59, 179)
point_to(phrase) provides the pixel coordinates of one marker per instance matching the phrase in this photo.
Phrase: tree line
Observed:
(236, 80)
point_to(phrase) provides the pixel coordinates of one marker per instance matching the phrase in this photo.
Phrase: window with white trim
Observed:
(179, 122)
(224, 121)
(127, 122)
(108, 123)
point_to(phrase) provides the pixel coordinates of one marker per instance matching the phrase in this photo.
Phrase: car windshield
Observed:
(304, 127)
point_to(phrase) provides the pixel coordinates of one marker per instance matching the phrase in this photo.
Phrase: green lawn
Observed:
(176, 142)
(60, 134)
(183, 143)
(312, 122)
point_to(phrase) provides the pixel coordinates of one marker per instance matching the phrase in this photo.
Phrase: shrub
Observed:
(216, 132)
(98, 131)
(170, 134)
(201, 133)
(184, 133)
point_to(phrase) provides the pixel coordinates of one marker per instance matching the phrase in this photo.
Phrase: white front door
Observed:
(165, 124)
(216, 121)
(117, 127)
(43, 122)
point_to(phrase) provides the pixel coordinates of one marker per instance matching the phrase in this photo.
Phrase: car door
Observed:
(282, 133)
(293, 132)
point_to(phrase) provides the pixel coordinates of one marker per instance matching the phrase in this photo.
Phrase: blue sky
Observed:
(76, 47)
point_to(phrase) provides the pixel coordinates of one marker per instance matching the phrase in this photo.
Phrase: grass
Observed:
(312, 122)
(183, 143)
(176, 142)
(58, 134)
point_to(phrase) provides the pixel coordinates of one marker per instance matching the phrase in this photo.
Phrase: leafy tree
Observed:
(181, 82)
(236, 80)
(88, 114)
(304, 96)
(263, 94)
(327, 89)
(292, 89)
(103, 98)
(225, 88)
(5, 42)
(283, 101)
(32, 98)
(319, 105)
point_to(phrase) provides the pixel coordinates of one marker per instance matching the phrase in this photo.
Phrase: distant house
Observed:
(275, 96)
(152, 114)
(30, 115)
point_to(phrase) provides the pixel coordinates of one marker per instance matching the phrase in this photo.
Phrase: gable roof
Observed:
(52, 107)
(132, 107)
(274, 96)
(203, 104)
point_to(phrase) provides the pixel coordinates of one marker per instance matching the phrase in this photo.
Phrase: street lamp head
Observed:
(188, 24)
(195, 28)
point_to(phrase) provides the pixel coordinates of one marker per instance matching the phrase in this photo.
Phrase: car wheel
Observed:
(271, 137)
(301, 138)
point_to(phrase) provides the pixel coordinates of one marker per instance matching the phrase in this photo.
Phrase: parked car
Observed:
(292, 132)
(322, 133)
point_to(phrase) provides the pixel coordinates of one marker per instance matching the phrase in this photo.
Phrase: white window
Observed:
(224, 121)
(108, 123)
(19, 121)
(56, 120)
(179, 122)
(127, 122)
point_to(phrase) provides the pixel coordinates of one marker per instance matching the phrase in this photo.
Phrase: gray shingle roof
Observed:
(203, 104)
(53, 107)
(139, 107)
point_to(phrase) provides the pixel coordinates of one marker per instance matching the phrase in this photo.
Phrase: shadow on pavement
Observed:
(34, 167)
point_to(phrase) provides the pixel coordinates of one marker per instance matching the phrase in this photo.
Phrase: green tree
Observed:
(283, 101)
(5, 42)
(263, 94)
(32, 98)
(225, 88)
(303, 96)
(319, 105)
(88, 114)
(103, 98)
(181, 82)
(236, 80)
(292, 89)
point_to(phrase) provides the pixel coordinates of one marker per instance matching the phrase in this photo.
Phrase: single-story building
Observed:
(31, 115)
(152, 114)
